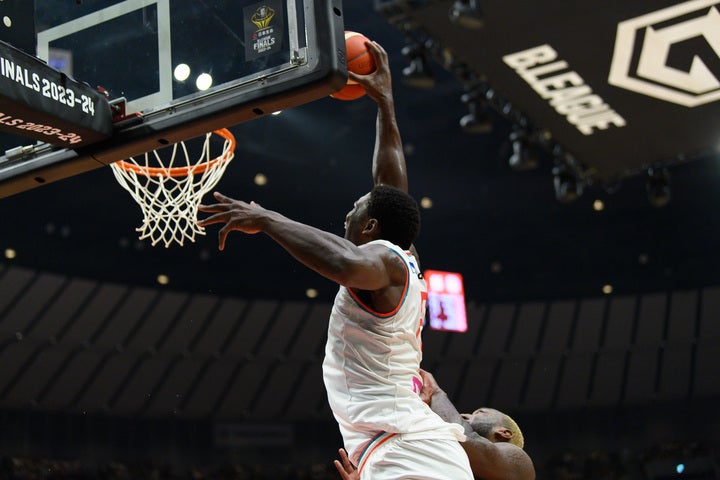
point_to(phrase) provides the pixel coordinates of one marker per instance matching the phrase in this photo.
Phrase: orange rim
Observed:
(183, 171)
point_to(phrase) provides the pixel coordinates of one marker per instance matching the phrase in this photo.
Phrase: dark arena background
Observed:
(566, 156)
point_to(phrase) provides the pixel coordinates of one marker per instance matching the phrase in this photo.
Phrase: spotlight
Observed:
(524, 155)
(418, 74)
(467, 14)
(657, 186)
(478, 120)
(568, 187)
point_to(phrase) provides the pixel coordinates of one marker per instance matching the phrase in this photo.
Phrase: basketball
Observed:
(350, 92)
(359, 58)
(360, 61)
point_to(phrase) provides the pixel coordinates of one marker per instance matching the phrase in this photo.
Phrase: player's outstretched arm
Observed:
(488, 460)
(367, 267)
(388, 160)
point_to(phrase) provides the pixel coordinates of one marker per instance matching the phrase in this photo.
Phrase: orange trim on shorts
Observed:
(369, 450)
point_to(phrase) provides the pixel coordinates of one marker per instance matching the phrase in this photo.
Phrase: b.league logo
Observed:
(671, 54)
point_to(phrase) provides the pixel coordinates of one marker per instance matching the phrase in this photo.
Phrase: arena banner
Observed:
(621, 85)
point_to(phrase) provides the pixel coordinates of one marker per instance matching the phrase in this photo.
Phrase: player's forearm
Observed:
(442, 405)
(327, 254)
(389, 159)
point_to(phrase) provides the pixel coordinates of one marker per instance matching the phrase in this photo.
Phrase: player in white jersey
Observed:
(371, 370)
(371, 374)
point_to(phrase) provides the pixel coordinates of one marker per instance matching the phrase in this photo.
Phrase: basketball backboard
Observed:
(153, 59)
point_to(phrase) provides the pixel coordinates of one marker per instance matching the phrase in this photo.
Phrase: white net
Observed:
(169, 191)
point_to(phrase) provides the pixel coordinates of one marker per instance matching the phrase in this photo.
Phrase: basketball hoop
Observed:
(169, 191)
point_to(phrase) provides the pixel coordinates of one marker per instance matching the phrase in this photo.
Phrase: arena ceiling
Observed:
(504, 230)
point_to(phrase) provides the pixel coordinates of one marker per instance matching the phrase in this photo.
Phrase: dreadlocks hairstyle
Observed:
(398, 215)
(517, 437)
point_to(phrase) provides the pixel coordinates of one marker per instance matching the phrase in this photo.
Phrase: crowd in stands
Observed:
(575, 465)
(15, 468)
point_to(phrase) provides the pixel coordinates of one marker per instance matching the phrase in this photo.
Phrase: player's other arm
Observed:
(345, 468)
(367, 267)
(389, 166)
(388, 159)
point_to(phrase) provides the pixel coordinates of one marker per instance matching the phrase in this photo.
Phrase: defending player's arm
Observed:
(488, 460)
(345, 468)
(389, 159)
(366, 267)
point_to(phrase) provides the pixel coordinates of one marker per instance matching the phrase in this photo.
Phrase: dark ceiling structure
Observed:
(504, 230)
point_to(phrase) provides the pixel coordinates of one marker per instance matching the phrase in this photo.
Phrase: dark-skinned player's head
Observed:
(398, 215)
(385, 213)
(495, 426)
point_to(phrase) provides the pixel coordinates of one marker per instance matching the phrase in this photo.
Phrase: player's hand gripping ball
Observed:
(360, 61)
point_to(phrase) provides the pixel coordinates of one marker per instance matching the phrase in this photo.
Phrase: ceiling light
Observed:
(607, 289)
(204, 81)
(10, 253)
(181, 72)
(524, 155)
(426, 202)
(478, 119)
(598, 205)
(657, 186)
(568, 187)
(163, 279)
(260, 180)
(467, 14)
(418, 73)
(311, 293)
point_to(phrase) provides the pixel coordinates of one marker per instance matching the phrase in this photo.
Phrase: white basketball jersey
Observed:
(371, 366)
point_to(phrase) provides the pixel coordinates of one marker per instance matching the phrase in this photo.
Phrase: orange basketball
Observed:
(359, 59)
(350, 92)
